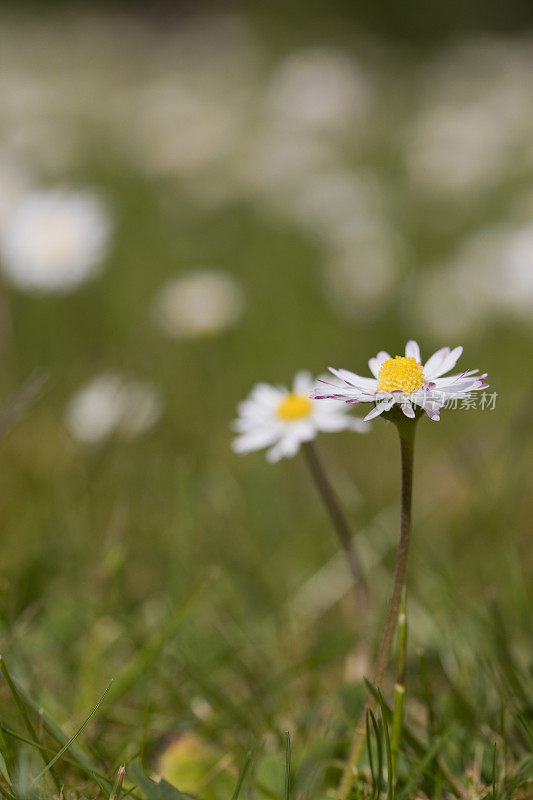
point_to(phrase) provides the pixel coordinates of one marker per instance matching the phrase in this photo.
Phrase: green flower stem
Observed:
(342, 529)
(399, 688)
(406, 430)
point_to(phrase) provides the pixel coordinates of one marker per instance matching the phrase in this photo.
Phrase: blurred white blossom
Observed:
(182, 132)
(199, 303)
(490, 274)
(362, 271)
(330, 202)
(55, 240)
(111, 403)
(449, 303)
(274, 163)
(475, 117)
(512, 284)
(319, 89)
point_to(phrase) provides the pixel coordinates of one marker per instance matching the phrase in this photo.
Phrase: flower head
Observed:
(281, 419)
(405, 381)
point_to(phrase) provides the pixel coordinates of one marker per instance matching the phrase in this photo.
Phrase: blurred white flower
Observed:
(94, 411)
(318, 89)
(112, 403)
(281, 419)
(449, 303)
(361, 272)
(275, 162)
(180, 132)
(460, 283)
(54, 240)
(475, 115)
(453, 151)
(512, 284)
(199, 303)
(331, 202)
(143, 407)
(491, 273)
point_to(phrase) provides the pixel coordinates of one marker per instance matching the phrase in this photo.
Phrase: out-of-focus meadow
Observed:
(188, 207)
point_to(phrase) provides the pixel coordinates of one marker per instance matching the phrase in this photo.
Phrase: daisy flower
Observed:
(281, 419)
(404, 381)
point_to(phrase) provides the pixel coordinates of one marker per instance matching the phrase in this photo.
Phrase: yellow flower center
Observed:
(400, 374)
(294, 406)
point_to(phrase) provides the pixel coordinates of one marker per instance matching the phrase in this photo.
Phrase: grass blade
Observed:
(379, 750)
(370, 756)
(420, 769)
(421, 750)
(388, 750)
(24, 714)
(242, 775)
(494, 772)
(72, 738)
(3, 765)
(93, 773)
(287, 764)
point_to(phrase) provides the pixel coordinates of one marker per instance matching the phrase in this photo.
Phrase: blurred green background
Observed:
(349, 181)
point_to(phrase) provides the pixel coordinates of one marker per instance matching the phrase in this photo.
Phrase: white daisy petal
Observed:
(412, 350)
(433, 363)
(357, 381)
(303, 383)
(443, 364)
(449, 362)
(380, 407)
(265, 393)
(375, 363)
(325, 390)
(359, 425)
(353, 396)
(340, 422)
(245, 424)
(376, 411)
(253, 440)
(304, 430)
(407, 409)
(430, 404)
(461, 379)
(287, 447)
